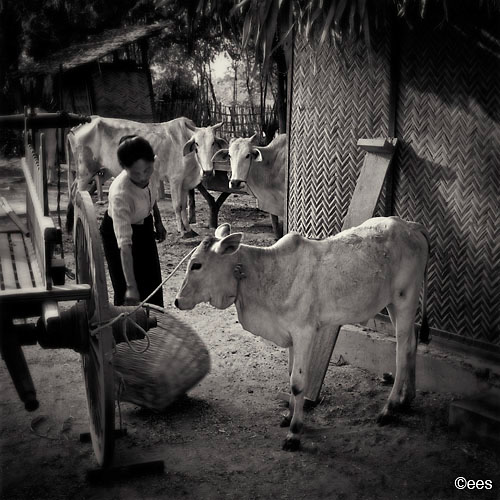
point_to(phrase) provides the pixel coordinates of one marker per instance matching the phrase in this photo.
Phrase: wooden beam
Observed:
(40, 294)
(13, 216)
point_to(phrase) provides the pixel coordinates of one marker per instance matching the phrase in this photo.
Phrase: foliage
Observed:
(269, 23)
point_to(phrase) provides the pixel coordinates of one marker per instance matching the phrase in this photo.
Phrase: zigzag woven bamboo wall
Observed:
(447, 176)
(122, 94)
(336, 100)
(446, 170)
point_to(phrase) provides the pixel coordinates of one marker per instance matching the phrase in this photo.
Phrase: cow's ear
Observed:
(229, 244)
(222, 143)
(221, 155)
(223, 230)
(257, 155)
(188, 147)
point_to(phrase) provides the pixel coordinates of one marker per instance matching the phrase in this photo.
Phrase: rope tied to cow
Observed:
(125, 316)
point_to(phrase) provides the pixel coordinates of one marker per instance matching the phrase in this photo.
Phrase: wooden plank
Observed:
(13, 216)
(9, 279)
(368, 188)
(364, 201)
(39, 294)
(37, 274)
(378, 145)
(41, 227)
(21, 261)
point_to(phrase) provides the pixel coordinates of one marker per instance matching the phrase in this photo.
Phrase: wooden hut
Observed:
(431, 79)
(107, 75)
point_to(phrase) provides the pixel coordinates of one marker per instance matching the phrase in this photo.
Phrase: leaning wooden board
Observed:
(379, 153)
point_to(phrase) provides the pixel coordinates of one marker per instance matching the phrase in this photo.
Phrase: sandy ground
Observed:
(223, 440)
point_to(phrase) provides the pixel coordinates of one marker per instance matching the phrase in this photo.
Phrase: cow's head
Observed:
(204, 143)
(242, 153)
(210, 273)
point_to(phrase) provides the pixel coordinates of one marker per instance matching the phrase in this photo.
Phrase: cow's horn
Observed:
(218, 125)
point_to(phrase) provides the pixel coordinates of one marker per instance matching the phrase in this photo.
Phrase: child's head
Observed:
(133, 148)
(136, 156)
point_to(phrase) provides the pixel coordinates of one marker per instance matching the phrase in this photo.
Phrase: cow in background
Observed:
(180, 160)
(260, 169)
(294, 290)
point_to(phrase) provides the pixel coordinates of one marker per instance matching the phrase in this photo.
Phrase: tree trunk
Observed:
(279, 59)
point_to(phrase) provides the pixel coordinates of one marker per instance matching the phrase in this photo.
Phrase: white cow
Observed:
(92, 151)
(289, 292)
(260, 169)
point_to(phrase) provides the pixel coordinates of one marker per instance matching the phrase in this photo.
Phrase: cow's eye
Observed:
(195, 266)
(248, 155)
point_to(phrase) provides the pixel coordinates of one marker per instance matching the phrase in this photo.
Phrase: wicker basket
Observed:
(176, 360)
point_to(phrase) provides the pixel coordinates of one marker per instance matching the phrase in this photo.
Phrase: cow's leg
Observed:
(188, 232)
(403, 390)
(176, 194)
(191, 208)
(297, 386)
(287, 418)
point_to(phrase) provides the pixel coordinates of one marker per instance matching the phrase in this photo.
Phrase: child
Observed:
(127, 228)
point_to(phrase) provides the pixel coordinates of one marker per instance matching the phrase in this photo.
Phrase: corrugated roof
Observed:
(91, 50)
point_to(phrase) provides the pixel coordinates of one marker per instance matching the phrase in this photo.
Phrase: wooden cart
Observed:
(33, 286)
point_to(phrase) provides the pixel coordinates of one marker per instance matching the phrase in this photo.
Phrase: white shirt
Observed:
(129, 204)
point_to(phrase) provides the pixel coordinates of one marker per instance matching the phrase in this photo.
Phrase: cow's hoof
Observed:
(385, 418)
(190, 234)
(285, 421)
(291, 444)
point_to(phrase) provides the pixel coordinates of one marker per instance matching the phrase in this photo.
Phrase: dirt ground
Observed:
(223, 440)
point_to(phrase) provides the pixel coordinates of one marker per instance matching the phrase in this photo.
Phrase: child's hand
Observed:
(160, 232)
(132, 296)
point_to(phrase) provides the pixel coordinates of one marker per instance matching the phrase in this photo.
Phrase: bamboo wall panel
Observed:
(122, 94)
(446, 172)
(447, 176)
(337, 99)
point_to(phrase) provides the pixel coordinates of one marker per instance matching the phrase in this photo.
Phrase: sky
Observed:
(220, 65)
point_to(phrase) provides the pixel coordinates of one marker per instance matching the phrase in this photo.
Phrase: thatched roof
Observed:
(320, 21)
(91, 50)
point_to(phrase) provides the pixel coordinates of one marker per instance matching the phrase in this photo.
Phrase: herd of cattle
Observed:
(184, 155)
(290, 292)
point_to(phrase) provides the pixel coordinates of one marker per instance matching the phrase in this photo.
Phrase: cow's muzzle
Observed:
(183, 304)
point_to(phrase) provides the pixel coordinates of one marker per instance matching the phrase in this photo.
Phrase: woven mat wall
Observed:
(448, 177)
(122, 94)
(337, 99)
(446, 170)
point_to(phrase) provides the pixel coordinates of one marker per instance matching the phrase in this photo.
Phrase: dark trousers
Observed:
(145, 256)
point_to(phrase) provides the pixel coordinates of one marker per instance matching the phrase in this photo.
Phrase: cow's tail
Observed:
(424, 333)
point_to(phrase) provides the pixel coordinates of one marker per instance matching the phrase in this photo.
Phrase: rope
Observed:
(127, 314)
(128, 341)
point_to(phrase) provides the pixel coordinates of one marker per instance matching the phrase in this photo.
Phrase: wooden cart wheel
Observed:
(97, 361)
